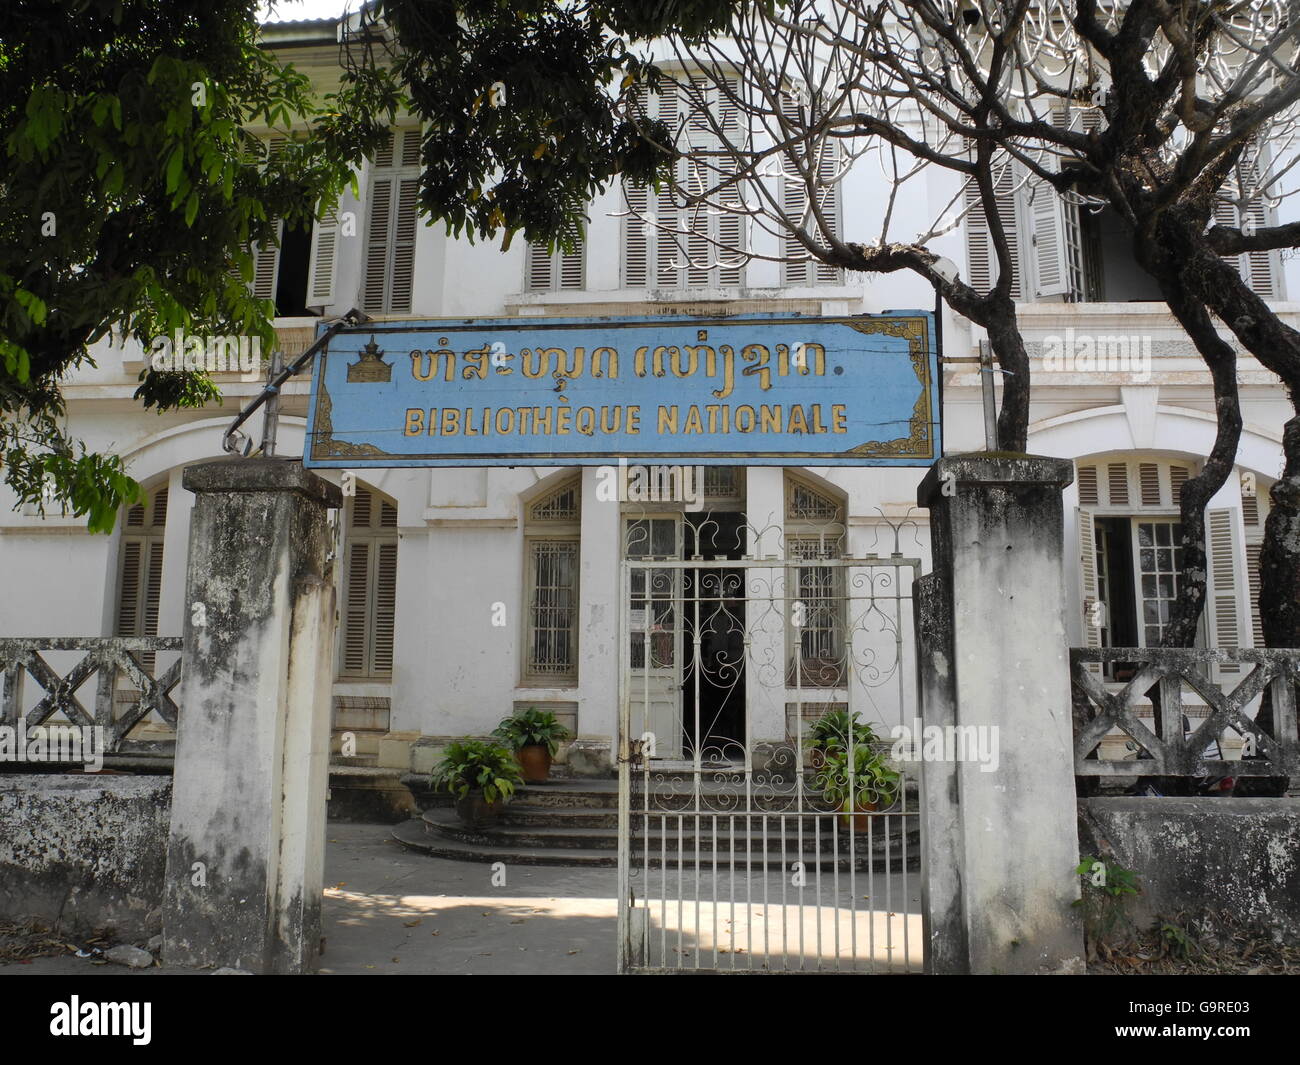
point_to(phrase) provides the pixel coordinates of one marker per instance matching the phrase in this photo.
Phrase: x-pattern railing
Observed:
(107, 656)
(1098, 710)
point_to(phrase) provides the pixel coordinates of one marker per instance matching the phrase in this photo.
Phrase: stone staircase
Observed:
(574, 822)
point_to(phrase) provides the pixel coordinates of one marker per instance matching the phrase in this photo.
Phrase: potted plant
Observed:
(482, 777)
(534, 735)
(874, 785)
(832, 730)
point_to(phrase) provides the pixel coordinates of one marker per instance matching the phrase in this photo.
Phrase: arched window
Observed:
(814, 533)
(551, 556)
(369, 586)
(140, 568)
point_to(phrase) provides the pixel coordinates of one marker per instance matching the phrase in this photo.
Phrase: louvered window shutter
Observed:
(1259, 269)
(982, 263)
(378, 226)
(370, 593)
(538, 273)
(1088, 585)
(324, 261)
(266, 266)
(636, 237)
(1088, 486)
(357, 609)
(731, 222)
(1224, 614)
(140, 583)
(669, 252)
(1046, 214)
(797, 268)
(391, 225)
(546, 271)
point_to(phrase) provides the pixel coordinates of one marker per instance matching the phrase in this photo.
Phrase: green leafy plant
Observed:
(1106, 887)
(475, 765)
(833, 727)
(871, 783)
(531, 727)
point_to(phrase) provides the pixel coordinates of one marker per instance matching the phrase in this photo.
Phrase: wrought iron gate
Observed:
(741, 846)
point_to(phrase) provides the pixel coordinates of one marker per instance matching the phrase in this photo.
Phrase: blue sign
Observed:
(768, 390)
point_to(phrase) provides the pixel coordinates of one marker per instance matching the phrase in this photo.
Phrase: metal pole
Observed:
(271, 420)
(990, 397)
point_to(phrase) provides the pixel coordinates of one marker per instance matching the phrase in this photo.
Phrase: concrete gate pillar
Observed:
(245, 857)
(999, 847)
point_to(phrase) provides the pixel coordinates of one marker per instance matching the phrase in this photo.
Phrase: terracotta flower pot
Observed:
(859, 822)
(475, 811)
(535, 761)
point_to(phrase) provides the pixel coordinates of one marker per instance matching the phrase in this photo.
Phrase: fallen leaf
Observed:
(412, 924)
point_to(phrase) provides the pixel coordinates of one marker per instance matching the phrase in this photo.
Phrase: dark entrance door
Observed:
(713, 686)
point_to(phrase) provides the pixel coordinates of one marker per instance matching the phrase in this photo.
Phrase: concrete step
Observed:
(412, 834)
(362, 793)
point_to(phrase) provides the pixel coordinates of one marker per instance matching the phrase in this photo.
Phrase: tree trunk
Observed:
(1197, 491)
(1009, 351)
(1277, 347)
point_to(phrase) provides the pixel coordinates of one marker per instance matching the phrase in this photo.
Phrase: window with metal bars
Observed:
(552, 552)
(817, 614)
(140, 569)
(388, 264)
(369, 602)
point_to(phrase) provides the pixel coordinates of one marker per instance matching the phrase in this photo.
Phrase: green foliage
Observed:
(474, 765)
(133, 186)
(833, 729)
(1106, 885)
(531, 727)
(871, 782)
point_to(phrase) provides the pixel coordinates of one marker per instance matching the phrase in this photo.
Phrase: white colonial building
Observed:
(464, 593)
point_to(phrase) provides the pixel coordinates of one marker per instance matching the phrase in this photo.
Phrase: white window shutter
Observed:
(546, 271)
(1088, 586)
(571, 267)
(266, 265)
(827, 175)
(1259, 269)
(378, 228)
(324, 261)
(636, 237)
(392, 222)
(538, 275)
(402, 278)
(982, 263)
(1048, 239)
(1223, 534)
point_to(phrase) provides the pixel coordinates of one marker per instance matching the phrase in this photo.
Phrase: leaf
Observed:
(174, 164)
